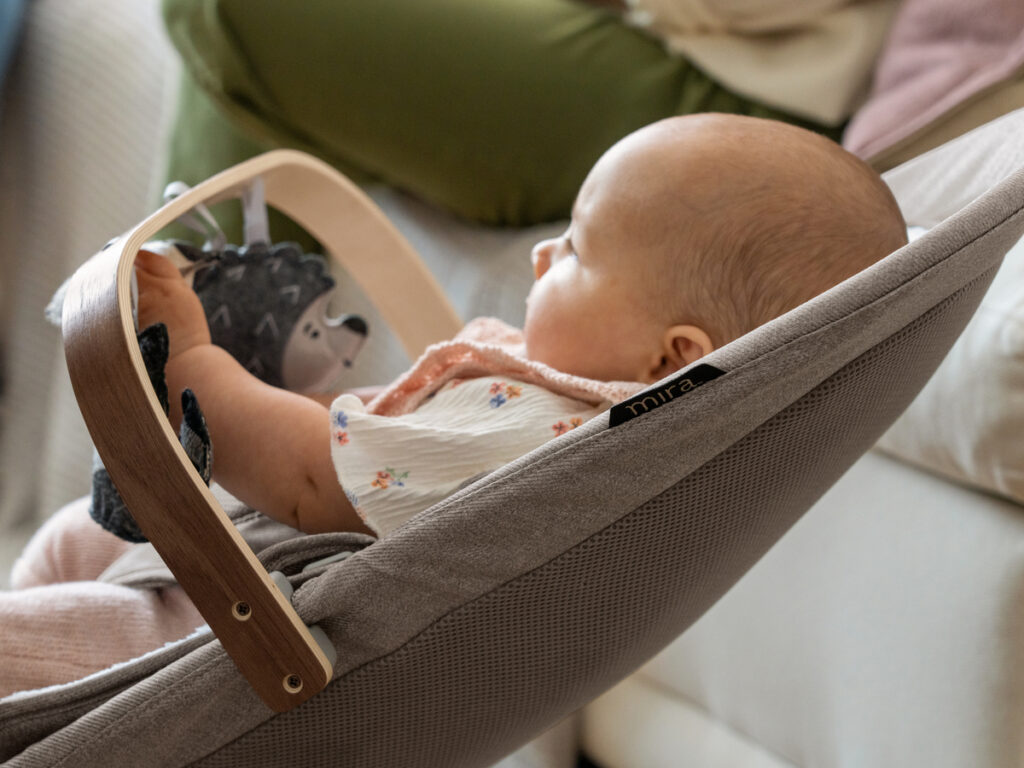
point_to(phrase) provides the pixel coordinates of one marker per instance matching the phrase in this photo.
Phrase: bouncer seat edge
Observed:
(493, 614)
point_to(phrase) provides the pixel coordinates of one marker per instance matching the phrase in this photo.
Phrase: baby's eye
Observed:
(570, 249)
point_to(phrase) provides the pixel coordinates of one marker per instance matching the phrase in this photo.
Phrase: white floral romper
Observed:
(392, 467)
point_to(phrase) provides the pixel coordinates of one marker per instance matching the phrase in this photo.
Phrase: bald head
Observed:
(747, 218)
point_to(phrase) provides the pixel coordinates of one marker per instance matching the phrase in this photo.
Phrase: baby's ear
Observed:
(681, 345)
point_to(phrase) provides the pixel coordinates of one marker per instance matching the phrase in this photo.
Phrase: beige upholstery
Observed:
(74, 172)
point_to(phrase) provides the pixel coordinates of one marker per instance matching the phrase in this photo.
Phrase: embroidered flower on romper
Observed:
(388, 477)
(341, 438)
(503, 393)
(560, 427)
(340, 420)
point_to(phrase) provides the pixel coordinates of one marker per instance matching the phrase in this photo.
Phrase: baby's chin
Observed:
(562, 365)
(538, 353)
(529, 351)
(539, 348)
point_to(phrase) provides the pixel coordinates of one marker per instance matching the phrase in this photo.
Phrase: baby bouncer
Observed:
(490, 616)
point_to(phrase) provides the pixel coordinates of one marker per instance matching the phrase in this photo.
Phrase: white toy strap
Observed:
(199, 219)
(255, 222)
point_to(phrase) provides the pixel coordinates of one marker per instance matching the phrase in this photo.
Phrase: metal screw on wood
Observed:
(293, 683)
(242, 611)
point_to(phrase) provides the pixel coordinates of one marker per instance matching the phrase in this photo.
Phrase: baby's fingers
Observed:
(161, 288)
(156, 265)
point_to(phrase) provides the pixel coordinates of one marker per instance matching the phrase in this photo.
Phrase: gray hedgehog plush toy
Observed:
(268, 306)
(265, 304)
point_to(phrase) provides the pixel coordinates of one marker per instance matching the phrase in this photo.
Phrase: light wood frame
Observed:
(256, 624)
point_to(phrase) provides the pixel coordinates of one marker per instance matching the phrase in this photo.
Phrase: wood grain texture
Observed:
(268, 643)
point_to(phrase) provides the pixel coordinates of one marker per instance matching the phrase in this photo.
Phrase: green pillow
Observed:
(492, 109)
(203, 142)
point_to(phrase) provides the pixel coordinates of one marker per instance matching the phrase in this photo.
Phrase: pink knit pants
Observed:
(59, 624)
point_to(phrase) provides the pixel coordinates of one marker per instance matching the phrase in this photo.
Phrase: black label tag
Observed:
(648, 400)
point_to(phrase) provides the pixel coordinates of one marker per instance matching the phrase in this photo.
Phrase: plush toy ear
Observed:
(107, 507)
(195, 436)
(154, 344)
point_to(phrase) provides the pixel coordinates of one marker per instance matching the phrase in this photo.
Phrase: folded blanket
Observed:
(940, 54)
(488, 346)
(55, 595)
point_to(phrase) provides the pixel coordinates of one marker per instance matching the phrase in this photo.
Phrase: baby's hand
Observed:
(164, 297)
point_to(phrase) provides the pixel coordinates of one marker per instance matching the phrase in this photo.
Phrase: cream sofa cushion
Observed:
(968, 420)
(883, 630)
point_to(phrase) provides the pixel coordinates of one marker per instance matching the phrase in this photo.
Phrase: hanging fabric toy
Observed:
(266, 304)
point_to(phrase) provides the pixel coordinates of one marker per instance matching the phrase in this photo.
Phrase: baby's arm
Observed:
(271, 446)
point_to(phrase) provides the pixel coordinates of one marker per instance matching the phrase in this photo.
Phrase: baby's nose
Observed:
(540, 257)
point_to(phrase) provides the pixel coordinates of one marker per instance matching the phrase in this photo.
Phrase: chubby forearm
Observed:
(271, 447)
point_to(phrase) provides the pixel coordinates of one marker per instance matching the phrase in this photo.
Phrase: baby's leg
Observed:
(59, 624)
(62, 632)
(68, 547)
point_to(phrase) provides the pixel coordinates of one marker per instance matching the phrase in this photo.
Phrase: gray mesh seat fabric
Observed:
(493, 614)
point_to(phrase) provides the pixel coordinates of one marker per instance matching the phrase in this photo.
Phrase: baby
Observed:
(685, 235)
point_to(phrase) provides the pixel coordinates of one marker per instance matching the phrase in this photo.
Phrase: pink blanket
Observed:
(939, 54)
(488, 347)
(56, 597)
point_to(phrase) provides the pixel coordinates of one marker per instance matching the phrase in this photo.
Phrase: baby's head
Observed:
(694, 230)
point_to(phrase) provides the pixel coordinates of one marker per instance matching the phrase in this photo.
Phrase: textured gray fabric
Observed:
(27, 719)
(141, 567)
(496, 612)
(494, 672)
